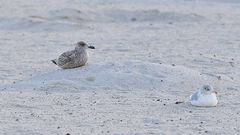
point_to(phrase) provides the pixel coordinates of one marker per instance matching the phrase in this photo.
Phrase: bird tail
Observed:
(54, 61)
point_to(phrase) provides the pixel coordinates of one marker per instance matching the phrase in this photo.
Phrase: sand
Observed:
(148, 56)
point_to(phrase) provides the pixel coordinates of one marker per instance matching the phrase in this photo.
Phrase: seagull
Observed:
(74, 58)
(204, 97)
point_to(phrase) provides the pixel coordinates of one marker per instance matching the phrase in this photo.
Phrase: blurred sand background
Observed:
(149, 54)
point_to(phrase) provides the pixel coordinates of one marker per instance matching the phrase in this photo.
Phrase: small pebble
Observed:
(133, 19)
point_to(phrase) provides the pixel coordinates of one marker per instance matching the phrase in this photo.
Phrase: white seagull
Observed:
(204, 97)
(75, 58)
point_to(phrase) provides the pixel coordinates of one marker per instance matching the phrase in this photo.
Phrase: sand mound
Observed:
(133, 75)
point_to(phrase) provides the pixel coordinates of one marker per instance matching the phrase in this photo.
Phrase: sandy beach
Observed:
(149, 55)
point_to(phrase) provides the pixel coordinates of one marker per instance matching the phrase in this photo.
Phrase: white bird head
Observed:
(207, 89)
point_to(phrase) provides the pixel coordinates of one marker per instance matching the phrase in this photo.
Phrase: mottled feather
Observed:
(66, 57)
(73, 59)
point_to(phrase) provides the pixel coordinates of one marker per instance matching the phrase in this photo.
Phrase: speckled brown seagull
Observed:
(75, 58)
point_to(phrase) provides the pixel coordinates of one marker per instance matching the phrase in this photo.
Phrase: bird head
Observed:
(207, 89)
(82, 44)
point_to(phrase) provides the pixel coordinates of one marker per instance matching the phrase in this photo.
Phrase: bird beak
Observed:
(215, 92)
(91, 47)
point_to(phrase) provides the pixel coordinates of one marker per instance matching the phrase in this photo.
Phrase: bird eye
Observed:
(207, 89)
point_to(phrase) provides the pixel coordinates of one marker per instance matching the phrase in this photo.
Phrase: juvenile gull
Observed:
(205, 97)
(75, 58)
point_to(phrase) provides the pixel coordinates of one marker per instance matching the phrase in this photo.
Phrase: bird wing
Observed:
(194, 96)
(65, 58)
